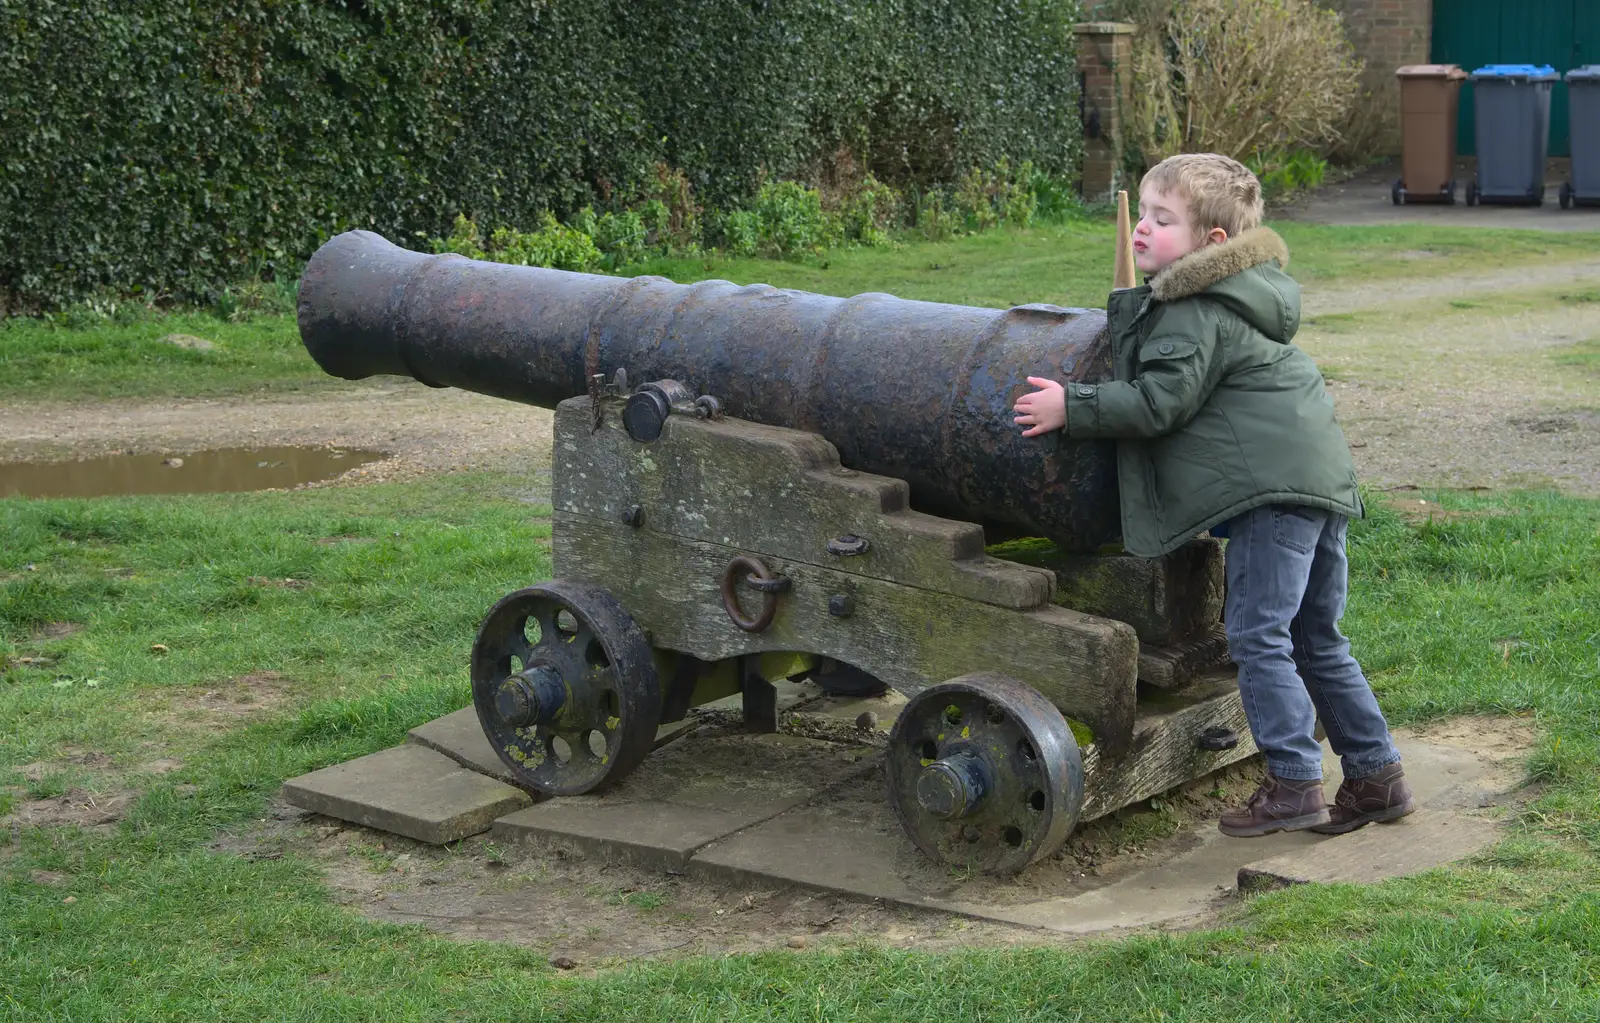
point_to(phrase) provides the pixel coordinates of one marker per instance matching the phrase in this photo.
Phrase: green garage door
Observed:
(1562, 33)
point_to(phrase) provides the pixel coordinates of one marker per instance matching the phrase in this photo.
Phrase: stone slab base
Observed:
(407, 790)
(786, 810)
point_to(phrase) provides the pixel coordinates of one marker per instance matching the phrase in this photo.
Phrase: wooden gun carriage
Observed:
(713, 540)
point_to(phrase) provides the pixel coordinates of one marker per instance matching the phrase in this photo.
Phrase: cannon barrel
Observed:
(921, 391)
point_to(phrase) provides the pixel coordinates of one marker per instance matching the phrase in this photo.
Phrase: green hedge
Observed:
(168, 147)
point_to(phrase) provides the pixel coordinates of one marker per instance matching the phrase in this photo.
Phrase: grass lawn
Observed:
(1494, 611)
(347, 615)
(1067, 264)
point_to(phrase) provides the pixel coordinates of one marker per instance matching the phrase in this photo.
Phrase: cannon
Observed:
(753, 484)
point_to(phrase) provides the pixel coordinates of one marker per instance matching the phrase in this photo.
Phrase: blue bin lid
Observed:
(1534, 72)
(1587, 73)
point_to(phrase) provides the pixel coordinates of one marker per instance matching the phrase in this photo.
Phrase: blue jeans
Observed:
(1287, 579)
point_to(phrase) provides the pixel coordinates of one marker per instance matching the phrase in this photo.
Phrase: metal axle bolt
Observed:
(531, 697)
(952, 787)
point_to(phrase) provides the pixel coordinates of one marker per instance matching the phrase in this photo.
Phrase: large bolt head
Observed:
(952, 787)
(516, 703)
(531, 697)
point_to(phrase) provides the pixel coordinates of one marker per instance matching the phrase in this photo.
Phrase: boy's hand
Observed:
(1042, 410)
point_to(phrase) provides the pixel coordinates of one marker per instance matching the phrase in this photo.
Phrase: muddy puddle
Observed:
(223, 470)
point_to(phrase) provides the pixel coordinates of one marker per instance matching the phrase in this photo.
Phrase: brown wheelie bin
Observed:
(1429, 94)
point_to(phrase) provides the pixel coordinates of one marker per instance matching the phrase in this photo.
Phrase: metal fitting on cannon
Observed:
(531, 697)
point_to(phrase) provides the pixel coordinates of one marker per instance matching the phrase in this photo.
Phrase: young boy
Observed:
(1225, 425)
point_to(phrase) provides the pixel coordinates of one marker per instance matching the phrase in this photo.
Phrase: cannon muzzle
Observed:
(921, 391)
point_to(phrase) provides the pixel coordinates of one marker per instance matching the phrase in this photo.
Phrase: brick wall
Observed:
(1387, 34)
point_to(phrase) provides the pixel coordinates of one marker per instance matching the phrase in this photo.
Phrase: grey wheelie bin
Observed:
(1512, 118)
(1582, 187)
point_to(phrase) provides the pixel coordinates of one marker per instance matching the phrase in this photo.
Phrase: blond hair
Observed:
(1221, 191)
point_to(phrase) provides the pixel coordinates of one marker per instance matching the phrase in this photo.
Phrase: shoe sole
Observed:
(1310, 820)
(1388, 815)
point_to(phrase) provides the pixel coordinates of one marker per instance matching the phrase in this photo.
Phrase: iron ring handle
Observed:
(757, 575)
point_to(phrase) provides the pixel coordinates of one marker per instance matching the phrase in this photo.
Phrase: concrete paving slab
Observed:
(688, 794)
(1422, 841)
(660, 836)
(460, 737)
(849, 841)
(408, 790)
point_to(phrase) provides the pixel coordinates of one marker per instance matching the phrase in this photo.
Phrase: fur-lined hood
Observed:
(1246, 275)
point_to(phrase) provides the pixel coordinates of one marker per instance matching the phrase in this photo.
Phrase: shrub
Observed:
(790, 219)
(1239, 77)
(1283, 174)
(552, 245)
(869, 212)
(934, 221)
(985, 198)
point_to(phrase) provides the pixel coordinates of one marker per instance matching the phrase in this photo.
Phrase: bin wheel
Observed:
(1566, 195)
(1472, 192)
(1397, 194)
(1450, 193)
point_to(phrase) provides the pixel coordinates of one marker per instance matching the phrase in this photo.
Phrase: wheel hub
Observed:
(953, 787)
(532, 697)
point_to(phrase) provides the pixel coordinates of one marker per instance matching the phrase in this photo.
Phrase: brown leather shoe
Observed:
(1280, 804)
(1381, 797)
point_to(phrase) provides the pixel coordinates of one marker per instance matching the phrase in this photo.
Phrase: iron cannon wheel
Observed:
(565, 687)
(984, 773)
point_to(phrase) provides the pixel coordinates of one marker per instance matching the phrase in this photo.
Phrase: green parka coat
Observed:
(1215, 411)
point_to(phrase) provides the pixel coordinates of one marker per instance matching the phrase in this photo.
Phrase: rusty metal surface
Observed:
(917, 390)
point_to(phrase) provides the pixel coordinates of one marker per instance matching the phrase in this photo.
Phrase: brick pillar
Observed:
(1105, 51)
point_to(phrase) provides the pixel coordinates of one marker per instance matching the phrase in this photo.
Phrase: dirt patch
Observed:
(278, 584)
(1500, 742)
(57, 630)
(71, 757)
(1463, 394)
(1417, 511)
(242, 698)
(77, 806)
(594, 915)
(425, 430)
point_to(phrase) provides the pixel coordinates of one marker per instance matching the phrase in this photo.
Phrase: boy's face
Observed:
(1166, 231)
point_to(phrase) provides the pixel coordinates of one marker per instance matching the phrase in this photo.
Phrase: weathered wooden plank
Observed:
(908, 637)
(779, 491)
(1165, 599)
(1165, 750)
(1173, 667)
